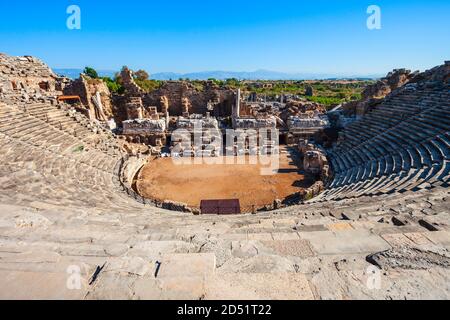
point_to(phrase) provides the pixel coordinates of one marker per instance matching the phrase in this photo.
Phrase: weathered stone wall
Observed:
(374, 94)
(131, 88)
(135, 109)
(24, 78)
(175, 91)
(300, 108)
(315, 161)
(86, 88)
(395, 82)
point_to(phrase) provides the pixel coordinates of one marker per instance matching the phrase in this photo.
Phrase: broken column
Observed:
(237, 106)
(185, 105)
(165, 109)
(97, 100)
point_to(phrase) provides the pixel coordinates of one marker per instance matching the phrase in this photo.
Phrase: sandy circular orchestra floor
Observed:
(164, 179)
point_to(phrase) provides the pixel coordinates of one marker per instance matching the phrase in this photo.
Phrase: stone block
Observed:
(311, 228)
(340, 226)
(181, 288)
(245, 249)
(346, 242)
(294, 248)
(440, 238)
(234, 236)
(418, 238)
(285, 236)
(397, 240)
(129, 265)
(260, 236)
(259, 286)
(348, 215)
(187, 265)
(19, 285)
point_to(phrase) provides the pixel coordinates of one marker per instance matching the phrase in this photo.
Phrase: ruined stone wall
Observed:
(374, 94)
(394, 82)
(300, 108)
(86, 88)
(131, 88)
(24, 78)
(315, 161)
(175, 91)
(176, 95)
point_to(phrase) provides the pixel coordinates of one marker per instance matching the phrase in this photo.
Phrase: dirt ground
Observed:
(162, 179)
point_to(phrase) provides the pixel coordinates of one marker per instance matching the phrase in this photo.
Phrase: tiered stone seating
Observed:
(66, 214)
(63, 212)
(401, 145)
(57, 161)
(302, 252)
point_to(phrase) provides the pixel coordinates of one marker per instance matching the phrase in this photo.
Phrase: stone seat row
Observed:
(400, 146)
(410, 103)
(376, 124)
(432, 154)
(71, 178)
(37, 130)
(60, 119)
(414, 129)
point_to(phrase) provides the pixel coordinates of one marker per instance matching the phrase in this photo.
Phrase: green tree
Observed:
(113, 85)
(90, 72)
(141, 75)
(233, 82)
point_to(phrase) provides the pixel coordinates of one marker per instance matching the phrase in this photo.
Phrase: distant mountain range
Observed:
(75, 73)
(255, 75)
(223, 75)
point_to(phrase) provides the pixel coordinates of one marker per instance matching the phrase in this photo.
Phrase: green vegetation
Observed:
(327, 101)
(90, 72)
(233, 83)
(141, 77)
(148, 85)
(329, 93)
(113, 85)
(198, 85)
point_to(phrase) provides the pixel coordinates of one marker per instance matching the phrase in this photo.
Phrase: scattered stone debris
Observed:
(409, 258)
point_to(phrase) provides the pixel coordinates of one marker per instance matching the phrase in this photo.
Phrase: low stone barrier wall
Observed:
(124, 173)
(122, 180)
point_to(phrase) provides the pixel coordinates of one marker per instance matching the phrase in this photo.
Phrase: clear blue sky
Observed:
(186, 36)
